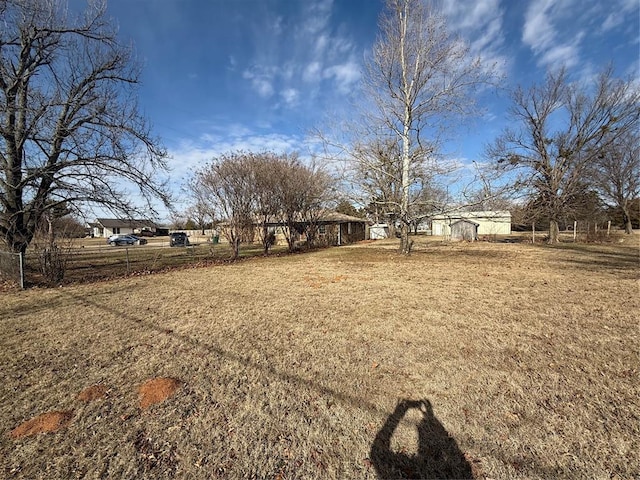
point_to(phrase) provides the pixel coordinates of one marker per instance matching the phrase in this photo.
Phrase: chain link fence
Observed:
(80, 264)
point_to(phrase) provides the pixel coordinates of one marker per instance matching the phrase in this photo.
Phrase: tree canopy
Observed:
(560, 132)
(418, 81)
(70, 129)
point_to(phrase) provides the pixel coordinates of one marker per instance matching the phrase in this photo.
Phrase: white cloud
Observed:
(566, 55)
(290, 96)
(538, 32)
(345, 75)
(549, 31)
(261, 80)
(461, 17)
(263, 87)
(621, 9)
(316, 17)
(312, 59)
(321, 44)
(480, 24)
(276, 26)
(189, 155)
(312, 72)
(612, 21)
(232, 63)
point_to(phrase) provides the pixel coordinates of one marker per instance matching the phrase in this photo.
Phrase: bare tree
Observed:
(226, 185)
(379, 177)
(560, 130)
(317, 194)
(418, 76)
(70, 131)
(345, 207)
(303, 193)
(200, 214)
(269, 170)
(246, 189)
(616, 174)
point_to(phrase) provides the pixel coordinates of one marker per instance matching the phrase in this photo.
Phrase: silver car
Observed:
(119, 240)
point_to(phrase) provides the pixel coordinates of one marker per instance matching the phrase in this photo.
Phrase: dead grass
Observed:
(491, 360)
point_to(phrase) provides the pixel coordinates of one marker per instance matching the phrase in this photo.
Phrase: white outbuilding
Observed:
(378, 231)
(489, 222)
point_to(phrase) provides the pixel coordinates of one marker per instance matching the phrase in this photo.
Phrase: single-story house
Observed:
(105, 227)
(489, 222)
(333, 228)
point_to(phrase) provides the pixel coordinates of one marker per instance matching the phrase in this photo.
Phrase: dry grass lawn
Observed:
(485, 360)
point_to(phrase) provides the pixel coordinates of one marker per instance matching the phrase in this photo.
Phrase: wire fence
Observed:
(12, 268)
(99, 262)
(582, 231)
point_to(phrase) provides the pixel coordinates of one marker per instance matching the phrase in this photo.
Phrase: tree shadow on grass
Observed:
(438, 454)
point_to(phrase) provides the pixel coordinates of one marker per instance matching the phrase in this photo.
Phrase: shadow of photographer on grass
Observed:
(438, 454)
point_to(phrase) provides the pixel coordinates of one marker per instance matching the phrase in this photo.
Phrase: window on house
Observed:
(116, 230)
(322, 229)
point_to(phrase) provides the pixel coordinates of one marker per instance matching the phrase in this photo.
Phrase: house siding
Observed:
(489, 223)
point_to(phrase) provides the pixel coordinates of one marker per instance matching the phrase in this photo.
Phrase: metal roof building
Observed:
(489, 222)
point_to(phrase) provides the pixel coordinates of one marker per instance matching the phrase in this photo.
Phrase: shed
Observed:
(464, 230)
(378, 231)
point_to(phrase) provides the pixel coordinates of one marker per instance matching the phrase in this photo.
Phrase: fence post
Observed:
(608, 227)
(533, 235)
(127, 250)
(21, 262)
(575, 228)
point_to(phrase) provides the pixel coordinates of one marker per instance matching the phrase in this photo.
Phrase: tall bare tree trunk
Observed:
(407, 86)
(236, 248)
(626, 218)
(554, 232)
(405, 245)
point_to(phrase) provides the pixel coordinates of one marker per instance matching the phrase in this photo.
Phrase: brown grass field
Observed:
(489, 360)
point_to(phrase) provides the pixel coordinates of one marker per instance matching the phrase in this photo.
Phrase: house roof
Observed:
(484, 214)
(464, 220)
(127, 223)
(335, 217)
(326, 218)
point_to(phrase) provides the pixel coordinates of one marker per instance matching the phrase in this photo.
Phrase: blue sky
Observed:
(220, 75)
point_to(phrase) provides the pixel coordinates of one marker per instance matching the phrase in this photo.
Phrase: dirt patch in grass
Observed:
(44, 423)
(156, 390)
(92, 393)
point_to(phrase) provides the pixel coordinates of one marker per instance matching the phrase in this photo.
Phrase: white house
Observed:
(489, 222)
(105, 227)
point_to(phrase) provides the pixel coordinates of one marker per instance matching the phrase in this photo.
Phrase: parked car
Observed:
(178, 239)
(118, 240)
